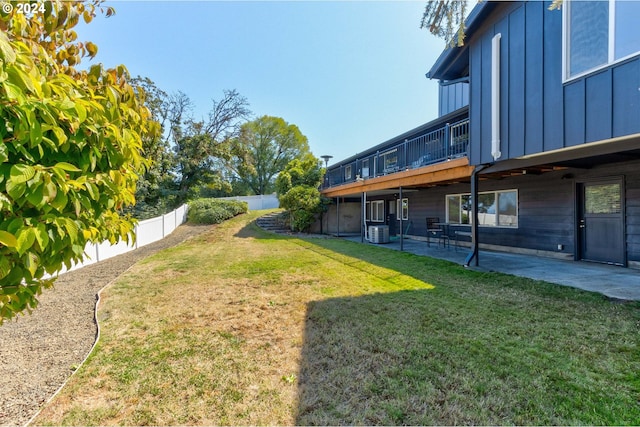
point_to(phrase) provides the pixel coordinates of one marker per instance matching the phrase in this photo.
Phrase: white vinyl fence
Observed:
(147, 231)
(256, 203)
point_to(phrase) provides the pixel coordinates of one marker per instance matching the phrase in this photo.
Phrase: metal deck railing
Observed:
(448, 142)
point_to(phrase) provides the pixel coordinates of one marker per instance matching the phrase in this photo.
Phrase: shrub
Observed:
(297, 188)
(303, 204)
(214, 211)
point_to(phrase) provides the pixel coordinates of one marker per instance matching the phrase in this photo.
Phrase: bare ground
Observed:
(39, 352)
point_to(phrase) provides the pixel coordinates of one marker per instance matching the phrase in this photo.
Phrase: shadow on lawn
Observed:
(475, 348)
(361, 363)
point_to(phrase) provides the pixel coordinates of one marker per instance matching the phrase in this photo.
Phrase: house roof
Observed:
(453, 62)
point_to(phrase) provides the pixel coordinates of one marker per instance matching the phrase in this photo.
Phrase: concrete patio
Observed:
(612, 281)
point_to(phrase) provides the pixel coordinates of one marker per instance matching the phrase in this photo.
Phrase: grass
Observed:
(240, 326)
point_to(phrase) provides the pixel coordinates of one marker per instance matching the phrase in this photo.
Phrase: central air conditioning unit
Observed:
(379, 233)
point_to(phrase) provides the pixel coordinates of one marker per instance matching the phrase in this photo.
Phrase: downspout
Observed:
(495, 145)
(474, 216)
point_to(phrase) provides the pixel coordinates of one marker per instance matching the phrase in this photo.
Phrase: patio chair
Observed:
(435, 229)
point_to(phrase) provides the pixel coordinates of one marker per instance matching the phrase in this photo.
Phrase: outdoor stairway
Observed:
(273, 222)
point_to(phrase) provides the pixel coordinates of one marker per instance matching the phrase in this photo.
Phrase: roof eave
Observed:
(445, 66)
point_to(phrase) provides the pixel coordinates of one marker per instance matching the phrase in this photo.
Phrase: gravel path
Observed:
(39, 352)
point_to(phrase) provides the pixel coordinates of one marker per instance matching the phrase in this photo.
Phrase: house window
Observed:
(402, 206)
(487, 209)
(390, 161)
(367, 211)
(458, 209)
(602, 199)
(377, 211)
(495, 208)
(347, 173)
(365, 168)
(598, 33)
(507, 208)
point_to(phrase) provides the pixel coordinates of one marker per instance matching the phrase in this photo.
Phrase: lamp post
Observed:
(326, 158)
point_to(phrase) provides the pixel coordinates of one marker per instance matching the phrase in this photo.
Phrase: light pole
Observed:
(326, 158)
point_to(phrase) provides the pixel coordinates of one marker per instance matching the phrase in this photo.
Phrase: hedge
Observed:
(214, 211)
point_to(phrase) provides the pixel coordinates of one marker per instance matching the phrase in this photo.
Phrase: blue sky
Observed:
(350, 74)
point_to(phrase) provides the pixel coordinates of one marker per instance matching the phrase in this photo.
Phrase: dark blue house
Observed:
(537, 147)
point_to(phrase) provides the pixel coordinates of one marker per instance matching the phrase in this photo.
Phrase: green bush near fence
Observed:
(214, 211)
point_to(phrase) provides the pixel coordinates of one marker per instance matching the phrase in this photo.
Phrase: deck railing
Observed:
(448, 142)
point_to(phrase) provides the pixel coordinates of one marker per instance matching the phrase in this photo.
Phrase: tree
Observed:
(445, 19)
(71, 149)
(156, 192)
(203, 147)
(297, 188)
(263, 148)
(151, 190)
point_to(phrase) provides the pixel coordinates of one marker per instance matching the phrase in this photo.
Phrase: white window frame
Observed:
(611, 43)
(347, 172)
(387, 165)
(365, 168)
(400, 204)
(375, 210)
(496, 194)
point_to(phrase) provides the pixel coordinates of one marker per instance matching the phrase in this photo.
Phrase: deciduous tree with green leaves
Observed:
(202, 147)
(297, 189)
(263, 148)
(70, 153)
(155, 192)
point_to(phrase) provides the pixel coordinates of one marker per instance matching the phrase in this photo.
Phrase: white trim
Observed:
(566, 44)
(584, 146)
(374, 204)
(598, 68)
(496, 194)
(399, 210)
(347, 176)
(495, 97)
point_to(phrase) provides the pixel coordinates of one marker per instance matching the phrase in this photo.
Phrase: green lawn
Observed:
(243, 327)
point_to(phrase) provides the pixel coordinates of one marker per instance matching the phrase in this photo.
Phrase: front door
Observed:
(601, 222)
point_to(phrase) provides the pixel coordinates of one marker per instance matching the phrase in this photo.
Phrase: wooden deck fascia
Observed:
(440, 173)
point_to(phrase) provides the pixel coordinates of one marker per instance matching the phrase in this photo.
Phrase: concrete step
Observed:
(274, 222)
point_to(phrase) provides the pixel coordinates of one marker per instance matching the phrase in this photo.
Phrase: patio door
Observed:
(601, 222)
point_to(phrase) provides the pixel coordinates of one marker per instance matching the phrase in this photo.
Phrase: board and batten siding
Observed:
(452, 97)
(603, 105)
(539, 112)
